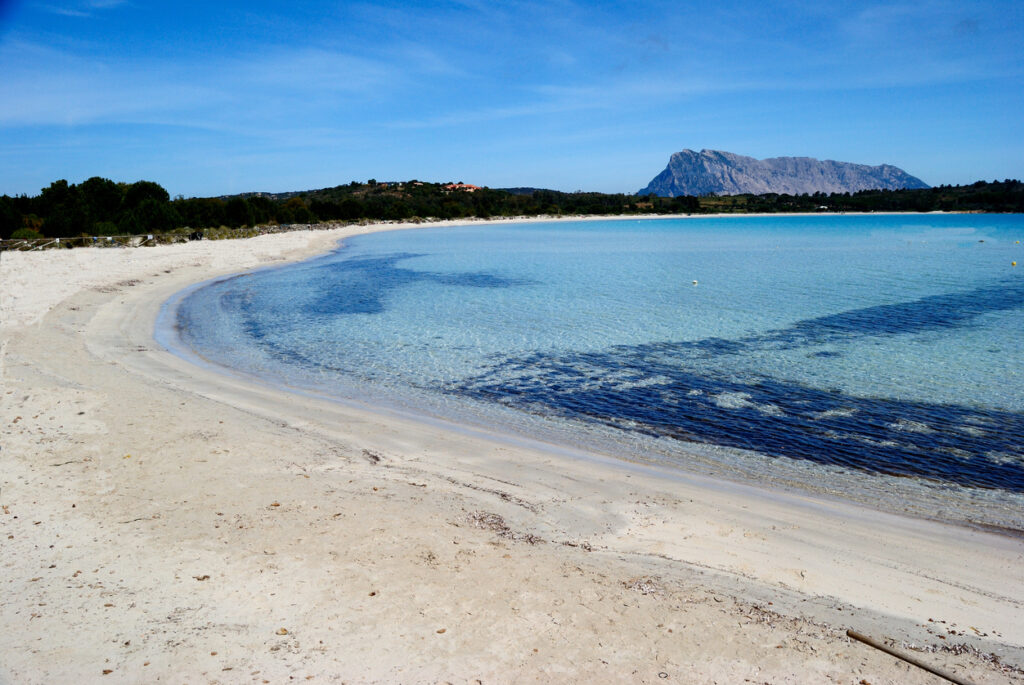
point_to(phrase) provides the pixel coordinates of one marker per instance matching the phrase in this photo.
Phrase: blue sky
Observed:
(216, 98)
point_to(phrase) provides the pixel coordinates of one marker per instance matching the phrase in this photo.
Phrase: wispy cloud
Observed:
(268, 89)
(309, 69)
(43, 85)
(64, 11)
(84, 8)
(466, 117)
(433, 85)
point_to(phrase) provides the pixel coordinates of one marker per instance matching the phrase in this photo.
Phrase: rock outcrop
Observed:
(712, 172)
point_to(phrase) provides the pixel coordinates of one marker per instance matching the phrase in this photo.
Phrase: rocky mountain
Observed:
(712, 172)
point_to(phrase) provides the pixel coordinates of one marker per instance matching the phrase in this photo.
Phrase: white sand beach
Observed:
(163, 522)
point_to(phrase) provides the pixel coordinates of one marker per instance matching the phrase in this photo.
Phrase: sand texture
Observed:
(163, 522)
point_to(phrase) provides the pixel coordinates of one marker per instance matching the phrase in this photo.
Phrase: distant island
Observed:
(713, 172)
(100, 210)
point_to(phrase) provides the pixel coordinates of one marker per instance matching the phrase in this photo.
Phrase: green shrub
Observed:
(26, 234)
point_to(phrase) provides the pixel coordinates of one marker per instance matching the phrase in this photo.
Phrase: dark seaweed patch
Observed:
(770, 416)
(934, 313)
(354, 286)
(664, 389)
(362, 285)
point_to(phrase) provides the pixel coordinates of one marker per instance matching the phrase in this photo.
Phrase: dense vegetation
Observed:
(997, 196)
(100, 207)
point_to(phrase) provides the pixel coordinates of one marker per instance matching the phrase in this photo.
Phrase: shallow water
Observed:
(879, 354)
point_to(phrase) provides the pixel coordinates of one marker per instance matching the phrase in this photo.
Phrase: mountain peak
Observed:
(717, 172)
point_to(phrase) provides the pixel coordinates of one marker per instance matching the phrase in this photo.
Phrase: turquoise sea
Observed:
(875, 357)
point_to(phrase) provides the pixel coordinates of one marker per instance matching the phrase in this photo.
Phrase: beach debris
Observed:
(141, 518)
(906, 657)
(495, 522)
(488, 521)
(372, 457)
(441, 631)
(202, 577)
(645, 585)
(282, 631)
(960, 649)
(275, 504)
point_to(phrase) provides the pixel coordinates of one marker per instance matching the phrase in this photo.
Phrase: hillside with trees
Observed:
(101, 207)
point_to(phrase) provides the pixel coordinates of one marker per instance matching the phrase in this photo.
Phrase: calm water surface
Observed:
(872, 356)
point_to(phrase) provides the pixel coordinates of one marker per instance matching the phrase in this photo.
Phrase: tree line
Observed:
(101, 207)
(996, 196)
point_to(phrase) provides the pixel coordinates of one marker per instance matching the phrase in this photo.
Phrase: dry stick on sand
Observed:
(906, 657)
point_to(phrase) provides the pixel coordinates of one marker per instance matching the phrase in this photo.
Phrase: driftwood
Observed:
(907, 657)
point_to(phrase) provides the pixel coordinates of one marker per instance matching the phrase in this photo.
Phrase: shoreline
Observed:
(384, 224)
(936, 501)
(139, 461)
(713, 466)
